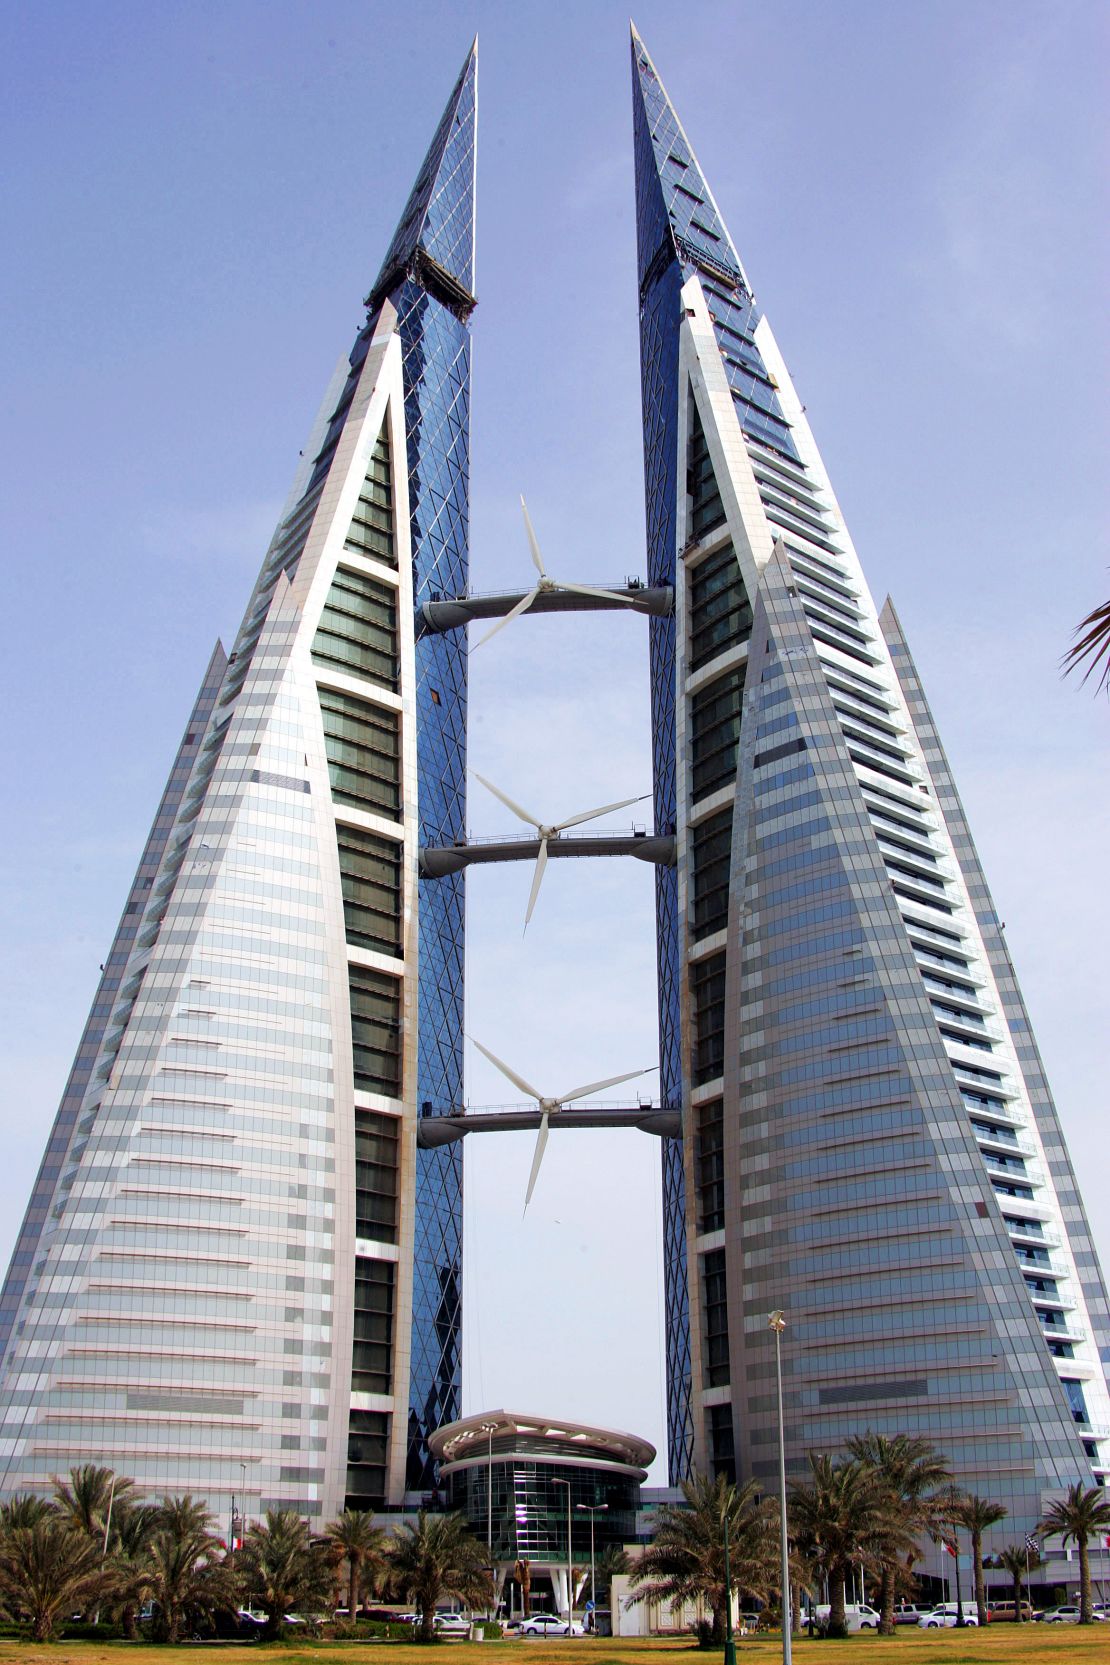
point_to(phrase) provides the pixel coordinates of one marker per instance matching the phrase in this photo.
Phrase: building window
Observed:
(376, 1176)
(711, 1166)
(722, 1449)
(371, 531)
(370, 873)
(358, 628)
(367, 1459)
(1076, 1401)
(372, 1358)
(706, 509)
(376, 1030)
(363, 745)
(707, 983)
(719, 611)
(714, 732)
(715, 1302)
(711, 844)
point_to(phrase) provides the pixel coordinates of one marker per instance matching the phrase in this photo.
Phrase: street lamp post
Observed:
(593, 1509)
(570, 1554)
(730, 1641)
(777, 1322)
(490, 1428)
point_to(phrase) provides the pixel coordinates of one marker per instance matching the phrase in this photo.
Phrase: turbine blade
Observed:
(533, 542)
(590, 589)
(537, 880)
(507, 801)
(592, 814)
(599, 1086)
(514, 613)
(541, 1146)
(517, 1080)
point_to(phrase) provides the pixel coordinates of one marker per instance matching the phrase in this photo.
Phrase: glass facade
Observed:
(530, 1508)
(868, 1109)
(211, 1293)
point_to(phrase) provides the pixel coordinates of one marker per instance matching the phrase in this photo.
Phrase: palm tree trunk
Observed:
(837, 1575)
(1084, 1581)
(977, 1575)
(1018, 1614)
(352, 1589)
(887, 1627)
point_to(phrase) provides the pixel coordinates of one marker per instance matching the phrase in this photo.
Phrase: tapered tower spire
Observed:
(868, 1139)
(239, 1277)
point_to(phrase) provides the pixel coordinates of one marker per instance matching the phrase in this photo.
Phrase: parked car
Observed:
(548, 1624)
(857, 1616)
(999, 1611)
(451, 1624)
(946, 1614)
(1069, 1614)
(905, 1613)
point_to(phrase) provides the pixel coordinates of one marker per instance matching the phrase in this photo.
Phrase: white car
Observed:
(548, 1624)
(946, 1614)
(1070, 1614)
(857, 1616)
(451, 1624)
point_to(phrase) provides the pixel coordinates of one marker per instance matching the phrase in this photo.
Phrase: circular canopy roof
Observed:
(467, 1441)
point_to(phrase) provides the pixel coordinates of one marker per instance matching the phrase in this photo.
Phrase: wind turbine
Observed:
(544, 584)
(547, 833)
(547, 1105)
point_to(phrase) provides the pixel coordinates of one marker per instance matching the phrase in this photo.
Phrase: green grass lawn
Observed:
(995, 1645)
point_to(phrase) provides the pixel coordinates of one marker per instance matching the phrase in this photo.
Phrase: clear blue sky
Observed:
(195, 199)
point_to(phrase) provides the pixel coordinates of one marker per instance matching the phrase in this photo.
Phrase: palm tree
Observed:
(1093, 643)
(1016, 1559)
(435, 1558)
(92, 1495)
(976, 1515)
(130, 1563)
(610, 1563)
(23, 1509)
(47, 1569)
(283, 1567)
(909, 1470)
(1082, 1515)
(188, 1575)
(685, 1559)
(844, 1517)
(362, 1545)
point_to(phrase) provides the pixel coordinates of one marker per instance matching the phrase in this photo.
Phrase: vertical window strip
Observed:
(372, 1358)
(715, 1305)
(376, 1030)
(367, 1459)
(720, 613)
(363, 746)
(711, 846)
(707, 984)
(370, 875)
(706, 508)
(357, 632)
(376, 1169)
(714, 732)
(711, 1166)
(371, 531)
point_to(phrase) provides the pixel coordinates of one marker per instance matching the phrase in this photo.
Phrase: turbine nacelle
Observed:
(544, 584)
(548, 832)
(548, 1105)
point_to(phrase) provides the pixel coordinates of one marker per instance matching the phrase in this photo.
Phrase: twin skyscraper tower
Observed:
(240, 1272)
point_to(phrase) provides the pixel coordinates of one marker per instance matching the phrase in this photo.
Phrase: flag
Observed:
(1032, 1545)
(950, 1546)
